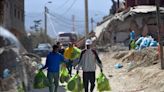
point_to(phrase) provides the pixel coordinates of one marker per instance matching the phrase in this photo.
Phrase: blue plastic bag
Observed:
(154, 44)
(118, 66)
(138, 42)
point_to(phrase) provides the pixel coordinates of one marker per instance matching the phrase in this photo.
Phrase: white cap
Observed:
(88, 42)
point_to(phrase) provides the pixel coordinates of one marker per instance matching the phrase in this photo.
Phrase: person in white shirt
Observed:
(88, 60)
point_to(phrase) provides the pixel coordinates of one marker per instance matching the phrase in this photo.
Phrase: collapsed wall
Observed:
(141, 19)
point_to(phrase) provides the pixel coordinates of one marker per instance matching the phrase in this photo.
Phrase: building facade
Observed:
(131, 3)
(13, 17)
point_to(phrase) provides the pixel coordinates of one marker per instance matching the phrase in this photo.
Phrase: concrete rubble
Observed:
(20, 65)
(22, 70)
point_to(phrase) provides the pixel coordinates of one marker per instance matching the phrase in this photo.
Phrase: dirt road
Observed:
(141, 79)
(62, 86)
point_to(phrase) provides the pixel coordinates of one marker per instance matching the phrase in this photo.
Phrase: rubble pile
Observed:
(31, 63)
(145, 57)
(17, 67)
(8, 60)
(22, 70)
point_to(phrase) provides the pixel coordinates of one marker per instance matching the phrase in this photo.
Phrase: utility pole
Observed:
(45, 22)
(159, 32)
(1, 12)
(92, 24)
(86, 19)
(73, 23)
(118, 3)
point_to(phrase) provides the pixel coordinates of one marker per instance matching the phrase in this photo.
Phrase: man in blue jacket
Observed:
(53, 62)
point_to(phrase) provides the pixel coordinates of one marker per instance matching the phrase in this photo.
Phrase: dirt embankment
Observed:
(141, 75)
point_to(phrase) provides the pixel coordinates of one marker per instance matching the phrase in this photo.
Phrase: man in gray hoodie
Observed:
(88, 60)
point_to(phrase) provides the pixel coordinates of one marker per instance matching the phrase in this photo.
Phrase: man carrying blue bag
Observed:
(53, 61)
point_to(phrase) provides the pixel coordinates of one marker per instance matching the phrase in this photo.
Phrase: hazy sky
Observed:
(62, 5)
(66, 8)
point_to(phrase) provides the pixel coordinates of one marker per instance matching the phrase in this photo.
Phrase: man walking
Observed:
(71, 53)
(88, 60)
(53, 62)
(132, 38)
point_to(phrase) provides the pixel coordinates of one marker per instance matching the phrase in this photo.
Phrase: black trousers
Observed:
(69, 67)
(89, 77)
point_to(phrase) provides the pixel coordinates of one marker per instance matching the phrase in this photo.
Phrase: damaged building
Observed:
(141, 19)
(12, 16)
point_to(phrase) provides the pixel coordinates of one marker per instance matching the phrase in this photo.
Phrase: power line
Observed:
(65, 25)
(61, 20)
(52, 25)
(63, 4)
(64, 18)
(69, 8)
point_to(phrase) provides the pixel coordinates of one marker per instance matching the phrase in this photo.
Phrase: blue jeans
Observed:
(53, 80)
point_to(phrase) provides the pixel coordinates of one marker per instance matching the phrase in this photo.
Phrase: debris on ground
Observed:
(120, 55)
(22, 70)
(144, 57)
(141, 69)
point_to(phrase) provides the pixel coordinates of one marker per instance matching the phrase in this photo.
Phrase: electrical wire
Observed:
(63, 21)
(61, 16)
(63, 4)
(66, 26)
(69, 8)
(67, 23)
(31, 16)
(61, 28)
(53, 27)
